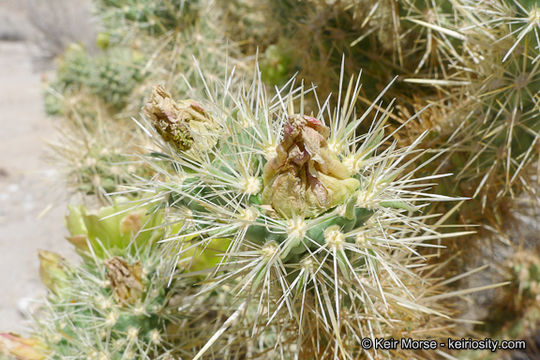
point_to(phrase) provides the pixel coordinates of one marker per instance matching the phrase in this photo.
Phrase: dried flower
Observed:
(125, 279)
(183, 124)
(306, 177)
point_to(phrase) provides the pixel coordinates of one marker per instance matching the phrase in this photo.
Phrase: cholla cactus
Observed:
(110, 76)
(323, 215)
(312, 210)
(115, 74)
(123, 301)
(114, 308)
(97, 152)
(73, 69)
(154, 17)
(494, 88)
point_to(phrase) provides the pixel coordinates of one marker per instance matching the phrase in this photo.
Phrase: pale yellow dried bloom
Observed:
(306, 177)
(184, 124)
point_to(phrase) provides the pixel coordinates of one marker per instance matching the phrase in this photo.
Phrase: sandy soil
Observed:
(32, 200)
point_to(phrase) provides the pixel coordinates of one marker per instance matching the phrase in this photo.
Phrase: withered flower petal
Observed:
(126, 279)
(184, 124)
(306, 177)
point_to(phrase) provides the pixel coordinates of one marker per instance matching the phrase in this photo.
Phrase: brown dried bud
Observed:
(183, 124)
(306, 177)
(125, 279)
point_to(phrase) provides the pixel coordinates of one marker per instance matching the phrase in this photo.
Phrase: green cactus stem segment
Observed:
(306, 177)
(295, 246)
(183, 124)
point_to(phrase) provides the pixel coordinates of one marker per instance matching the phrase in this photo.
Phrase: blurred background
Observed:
(32, 196)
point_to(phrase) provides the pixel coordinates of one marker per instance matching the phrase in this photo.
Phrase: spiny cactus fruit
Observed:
(311, 209)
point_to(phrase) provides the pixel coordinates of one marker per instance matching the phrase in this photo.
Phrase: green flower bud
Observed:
(112, 228)
(103, 40)
(306, 177)
(22, 348)
(52, 270)
(183, 124)
(75, 225)
(205, 256)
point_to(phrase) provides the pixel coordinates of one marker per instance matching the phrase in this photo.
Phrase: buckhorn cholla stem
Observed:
(330, 239)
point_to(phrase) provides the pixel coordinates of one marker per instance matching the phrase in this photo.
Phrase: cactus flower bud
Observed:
(306, 177)
(131, 223)
(110, 228)
(77, 229)
(22, 348)
(126, 279)
(183, 124)
(52, 270)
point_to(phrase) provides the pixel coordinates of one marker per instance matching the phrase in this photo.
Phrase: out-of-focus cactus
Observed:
(53, 271)
(487, 105)
(154, 17)
(114, 307)
(516, 312)
(123, 300)
(103, 40)
(19, 348)
(74, 69)
(112, 228)
(127, 225)
(115, 74)
(277, 63)
(110, 75)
